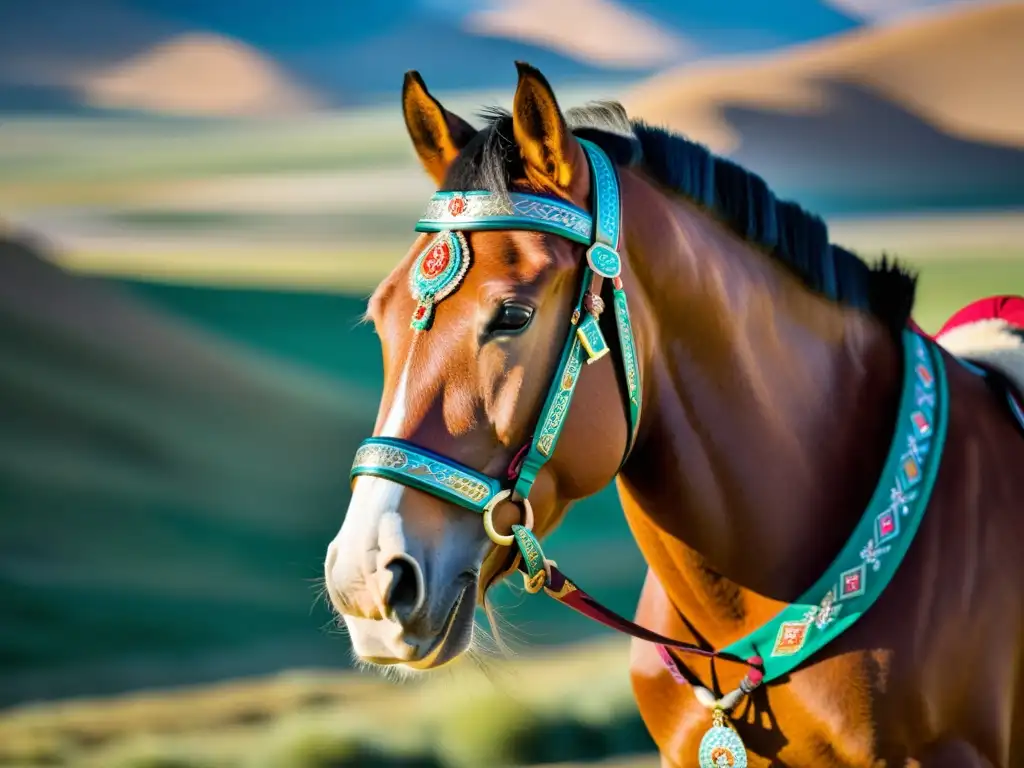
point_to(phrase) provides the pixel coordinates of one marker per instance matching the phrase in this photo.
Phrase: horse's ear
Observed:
(437, 134)
(551, 155)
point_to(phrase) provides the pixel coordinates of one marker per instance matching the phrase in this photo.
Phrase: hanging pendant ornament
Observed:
(721, 746)
(436, 274)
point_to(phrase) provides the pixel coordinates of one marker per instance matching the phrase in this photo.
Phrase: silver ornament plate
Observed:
(722, 747)
(604, 260)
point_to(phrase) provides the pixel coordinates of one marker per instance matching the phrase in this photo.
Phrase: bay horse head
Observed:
(473, 324)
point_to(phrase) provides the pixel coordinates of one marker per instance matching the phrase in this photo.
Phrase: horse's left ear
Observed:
(437, 134)
(551, 155)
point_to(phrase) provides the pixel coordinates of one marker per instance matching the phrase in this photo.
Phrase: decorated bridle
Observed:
(853, 581)
(437, 273)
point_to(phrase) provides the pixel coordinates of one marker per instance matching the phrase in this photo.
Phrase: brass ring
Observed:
(493, 535)
(536, 583)
(528, 511)
(497, 538)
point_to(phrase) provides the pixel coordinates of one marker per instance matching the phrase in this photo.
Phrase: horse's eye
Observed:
(512, 317)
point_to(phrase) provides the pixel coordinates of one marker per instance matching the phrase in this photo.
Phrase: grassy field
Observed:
(469, 717)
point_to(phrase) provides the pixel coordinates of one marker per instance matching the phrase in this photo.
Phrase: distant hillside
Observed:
(43, 44)
(449, 57)
(196, 75)
(173, 464)
(164, 66)
(355, 53)
(601, 32)
(165, 494)
(901, 114)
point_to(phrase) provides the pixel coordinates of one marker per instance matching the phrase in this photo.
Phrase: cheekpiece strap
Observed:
(605, 261)
(586, 343)
(605, 184)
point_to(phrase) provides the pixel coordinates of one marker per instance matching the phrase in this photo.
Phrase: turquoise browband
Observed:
(481, 210)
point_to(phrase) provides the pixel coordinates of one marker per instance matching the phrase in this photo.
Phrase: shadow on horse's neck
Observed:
(768, 410)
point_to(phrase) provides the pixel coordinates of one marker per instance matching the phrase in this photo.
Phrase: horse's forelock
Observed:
(491, 160)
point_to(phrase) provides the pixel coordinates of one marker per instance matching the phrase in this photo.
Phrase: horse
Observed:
(827, 499)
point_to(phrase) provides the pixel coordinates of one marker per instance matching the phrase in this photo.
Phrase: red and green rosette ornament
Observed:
(438, 271)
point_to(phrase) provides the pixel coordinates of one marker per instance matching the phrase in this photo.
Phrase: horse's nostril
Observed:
(405, 594)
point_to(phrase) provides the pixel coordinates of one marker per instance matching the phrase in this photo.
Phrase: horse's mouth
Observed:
(458, 623)
(447, 644)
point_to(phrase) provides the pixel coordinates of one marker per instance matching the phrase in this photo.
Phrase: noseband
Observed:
(437, 274)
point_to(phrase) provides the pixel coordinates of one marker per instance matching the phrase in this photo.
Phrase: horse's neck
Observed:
(768, 412)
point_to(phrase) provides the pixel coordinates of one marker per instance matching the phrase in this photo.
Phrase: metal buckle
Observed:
(492, 534)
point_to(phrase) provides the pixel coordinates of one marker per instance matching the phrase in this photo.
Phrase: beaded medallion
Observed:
(721, 746)
(438, 271)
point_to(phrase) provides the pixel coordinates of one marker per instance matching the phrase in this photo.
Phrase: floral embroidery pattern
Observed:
(872, 555)
(823, 615)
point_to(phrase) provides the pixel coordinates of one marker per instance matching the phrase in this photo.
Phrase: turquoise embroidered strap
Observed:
(419, 468)
(556, 407)
(604, 259)
(867, 563)
(603, 262)
(630, 364)
(482, 211)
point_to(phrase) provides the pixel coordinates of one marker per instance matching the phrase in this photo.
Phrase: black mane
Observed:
(735, 196)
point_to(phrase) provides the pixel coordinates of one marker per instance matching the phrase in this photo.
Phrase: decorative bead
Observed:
(704, 696)
(593, 303)
(731, 699)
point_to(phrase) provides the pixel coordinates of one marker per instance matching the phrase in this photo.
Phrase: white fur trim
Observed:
(990, 342)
